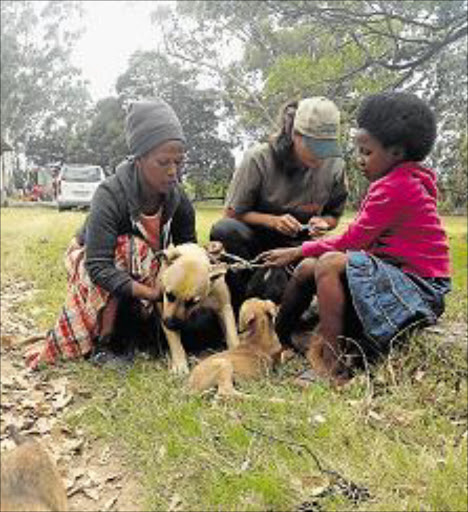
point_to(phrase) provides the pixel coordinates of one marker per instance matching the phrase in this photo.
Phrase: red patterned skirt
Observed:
(78, 323)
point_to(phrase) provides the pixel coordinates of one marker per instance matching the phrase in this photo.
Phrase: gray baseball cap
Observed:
(317, 119)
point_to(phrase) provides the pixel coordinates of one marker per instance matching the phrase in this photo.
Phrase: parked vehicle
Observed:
(76, 185)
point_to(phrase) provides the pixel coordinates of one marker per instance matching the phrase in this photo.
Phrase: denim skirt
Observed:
(388, 301)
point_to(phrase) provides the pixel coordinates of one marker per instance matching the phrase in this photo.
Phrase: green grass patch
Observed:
(400, 431)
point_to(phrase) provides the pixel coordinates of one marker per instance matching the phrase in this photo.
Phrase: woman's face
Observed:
(161, 164)
(303, 154)
(372, 158)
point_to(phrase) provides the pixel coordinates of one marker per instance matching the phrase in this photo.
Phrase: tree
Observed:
(343, 50)
(106, 137)
(42, 95)
(209, 159)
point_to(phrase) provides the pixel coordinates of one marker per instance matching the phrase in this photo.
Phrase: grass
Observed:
(401, 433)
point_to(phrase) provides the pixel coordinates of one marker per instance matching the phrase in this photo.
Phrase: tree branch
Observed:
(223, 72)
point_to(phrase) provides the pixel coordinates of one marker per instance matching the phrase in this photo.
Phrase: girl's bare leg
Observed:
(329, 275)
(297, 297)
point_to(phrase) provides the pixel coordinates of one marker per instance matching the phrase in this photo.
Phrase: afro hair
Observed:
(399, 119)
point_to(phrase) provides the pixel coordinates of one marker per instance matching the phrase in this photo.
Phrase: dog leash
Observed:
(239, 263)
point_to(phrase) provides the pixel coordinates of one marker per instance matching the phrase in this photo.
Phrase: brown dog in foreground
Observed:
(188, 280)
(256, 354)
(30, 480)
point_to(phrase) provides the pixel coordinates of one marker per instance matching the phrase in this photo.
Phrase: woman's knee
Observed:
(330, 263)
(305, 271)
(226, 229)
(235, 236)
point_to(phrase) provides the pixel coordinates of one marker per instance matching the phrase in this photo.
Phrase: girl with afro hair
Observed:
(390, 269)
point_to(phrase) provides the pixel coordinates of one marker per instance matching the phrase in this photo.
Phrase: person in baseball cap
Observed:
(317, 119)
(284, 190)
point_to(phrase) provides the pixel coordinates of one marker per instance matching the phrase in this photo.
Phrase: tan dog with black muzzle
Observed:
(255, 356)
(188, 281)
(30, 481)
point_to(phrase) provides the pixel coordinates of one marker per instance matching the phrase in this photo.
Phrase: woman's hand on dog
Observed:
(144, 291)
(280, 257)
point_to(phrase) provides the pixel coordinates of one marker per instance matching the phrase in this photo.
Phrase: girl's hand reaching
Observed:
(280, 257)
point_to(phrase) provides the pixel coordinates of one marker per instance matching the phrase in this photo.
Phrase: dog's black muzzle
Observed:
(174, 324)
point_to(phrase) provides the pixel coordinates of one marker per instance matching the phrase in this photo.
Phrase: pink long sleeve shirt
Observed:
(398, 222)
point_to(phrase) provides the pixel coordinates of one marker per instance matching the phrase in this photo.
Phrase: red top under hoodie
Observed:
(398, 222)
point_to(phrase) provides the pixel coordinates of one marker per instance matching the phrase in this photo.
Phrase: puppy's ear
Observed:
(217, 271)
(246, 319)
(171, 253)
(271, 309)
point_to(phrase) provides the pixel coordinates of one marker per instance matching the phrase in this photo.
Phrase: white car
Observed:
(76, 185)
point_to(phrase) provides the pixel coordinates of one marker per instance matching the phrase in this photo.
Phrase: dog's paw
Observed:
(179, 368)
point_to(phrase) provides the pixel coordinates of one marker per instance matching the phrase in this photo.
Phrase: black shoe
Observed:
(103, 354)
(107, 357)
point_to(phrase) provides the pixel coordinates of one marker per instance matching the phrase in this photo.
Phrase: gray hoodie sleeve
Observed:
(102, 231)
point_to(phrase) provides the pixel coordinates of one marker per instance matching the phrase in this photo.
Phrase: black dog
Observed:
(138, 329)
(267, 284)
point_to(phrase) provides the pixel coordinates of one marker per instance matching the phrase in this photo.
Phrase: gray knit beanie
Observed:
(149, 123)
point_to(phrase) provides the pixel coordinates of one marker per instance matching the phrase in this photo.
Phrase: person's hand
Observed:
(318, 226)
(286, 224)
(147, 291)
(157, 292)
(280, 257)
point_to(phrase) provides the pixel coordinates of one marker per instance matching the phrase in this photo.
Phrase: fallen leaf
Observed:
(175, 503)
(245, 465)
(374, 415)
(315, 485)
(76, 473)
(104, 458)
(317, 418)
(109, 503)
(7, 382)
(9, 418)
(44, 409)
(112, 477)
(7, 444)
(7, 405)
(19, 382)
(44, 425)
(419, 375)
(317, 491)
(435, 330)
(91, 493)
(58, 386)
(28, 403)
(62, 400)
(73, 445)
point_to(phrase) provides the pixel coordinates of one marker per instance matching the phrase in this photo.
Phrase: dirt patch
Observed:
(95, 474)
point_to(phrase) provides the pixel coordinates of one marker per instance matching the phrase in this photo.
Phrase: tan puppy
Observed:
(258, 351)
(188, 281)
(29, 479)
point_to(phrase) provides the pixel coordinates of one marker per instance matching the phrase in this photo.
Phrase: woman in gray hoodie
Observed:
(134, 213)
